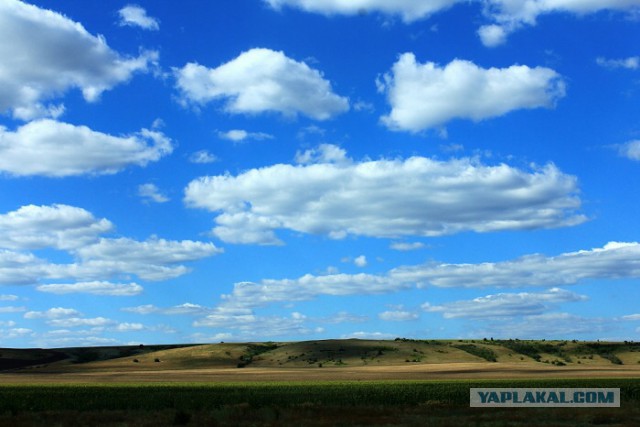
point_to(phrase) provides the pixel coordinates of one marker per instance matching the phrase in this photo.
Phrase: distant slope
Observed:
(321, 353)
(40, 358)
(21, 358)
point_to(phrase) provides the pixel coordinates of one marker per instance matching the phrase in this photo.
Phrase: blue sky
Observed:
(255, 170)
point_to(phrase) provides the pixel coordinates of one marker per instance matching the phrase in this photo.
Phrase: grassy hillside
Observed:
(322, 353)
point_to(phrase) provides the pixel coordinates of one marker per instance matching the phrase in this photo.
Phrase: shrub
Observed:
(485, 353)
(181, 418)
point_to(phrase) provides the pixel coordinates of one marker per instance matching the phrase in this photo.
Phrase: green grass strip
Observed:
(198, 396)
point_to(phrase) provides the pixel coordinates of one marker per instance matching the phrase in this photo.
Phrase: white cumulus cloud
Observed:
(203, 157)
(492, 35)
(136, 16)
(261, 80)
(239, 135)
(12, 309)
(55, 226)
(46, 54)
(630, 63)
(151, 193)
(252, 327)
(154, 259)
(397, 316)
(129, 327)
(424, 96)
(505, 304)
(50, 148)
(406, 246)
(324, 153)
(363, 335)
(268, 291)
(94, 288)
(511, 15)
(409, 10)
(360, 261)
(96, 258)
(18, 268)
(52, 313)
(385, 198)
(73, 322)
(182, 309)
(630, 150)
(613, 260)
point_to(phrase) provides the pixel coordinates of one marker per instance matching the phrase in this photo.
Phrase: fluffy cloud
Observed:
(154, 259)
(344, 317)
(14, 333)
(52, 313)
(424, 96)
(614, 260)
(77, 232)
(251, 326)
(511, 15)
(54, 149)
(631, 63)
(129, 327)
(239, 135)
(55, 226)
(505, 304)
(142, 309)
(360, 261)
(6, 297)
(409, 10)
(362, 335)
(73, 322)
(247, 295)
(508, 15)
(406, 246)
(136, 16)
(492, 35)
(182, 309)
(630, 150)
(202, 157)
(93, 288)
(611, 262)
(151, 193)
(324, 153)
(397, 316)
(261, 80)
(46, 54)
(385, 198)
(17, 268)
(12, 309)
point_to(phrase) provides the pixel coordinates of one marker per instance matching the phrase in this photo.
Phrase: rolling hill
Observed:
(319, 354)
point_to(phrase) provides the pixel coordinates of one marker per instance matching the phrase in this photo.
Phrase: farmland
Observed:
(328, 360)
(366, 382)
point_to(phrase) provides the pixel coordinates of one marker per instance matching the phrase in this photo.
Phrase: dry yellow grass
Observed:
(330, 360)
(477, 370)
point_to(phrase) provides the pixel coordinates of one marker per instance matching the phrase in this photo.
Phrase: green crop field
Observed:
(295, 403)
(403, 382)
